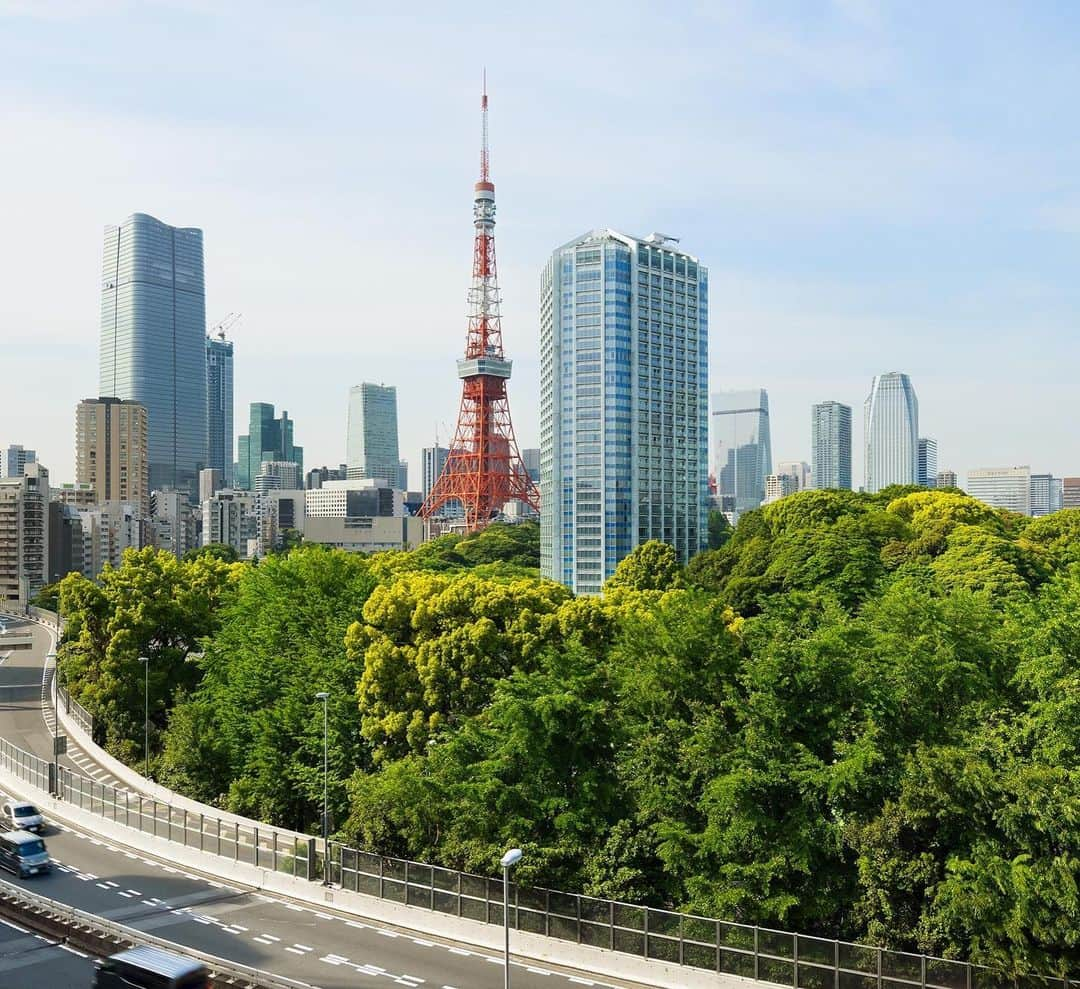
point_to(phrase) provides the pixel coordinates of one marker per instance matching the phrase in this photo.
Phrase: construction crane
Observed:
(227, 323)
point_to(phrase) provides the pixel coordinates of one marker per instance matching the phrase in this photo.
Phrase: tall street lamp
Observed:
(55, 721)
(323, 696)
(145, 660)
(509, 860)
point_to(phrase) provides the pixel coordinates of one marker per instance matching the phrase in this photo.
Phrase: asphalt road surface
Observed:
(30, 961)
(324, 948)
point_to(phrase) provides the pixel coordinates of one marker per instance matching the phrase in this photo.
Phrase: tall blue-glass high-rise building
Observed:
(830, 441)
(743, 444)
(153, 332)
(890, 433)
(623, 404)
(371, 435)
(219, 407)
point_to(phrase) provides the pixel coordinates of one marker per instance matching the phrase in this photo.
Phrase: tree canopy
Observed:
(855, 715)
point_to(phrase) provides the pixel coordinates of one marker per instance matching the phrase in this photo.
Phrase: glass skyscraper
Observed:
(743, 448)
(219, 407)
(371, 442)
(268, 439)
(153, 331)
(623, 404)
(890, 432)
(927, 473)
(830, 440)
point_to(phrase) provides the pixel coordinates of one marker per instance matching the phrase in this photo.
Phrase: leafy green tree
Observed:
(651, 566)
(250, 735)
(48, 597)
(225, 552)
(432, 647)
(533, 769)
(152, 606)
(720, 528)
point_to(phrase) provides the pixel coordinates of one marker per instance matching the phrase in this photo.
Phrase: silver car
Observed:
(20, 815)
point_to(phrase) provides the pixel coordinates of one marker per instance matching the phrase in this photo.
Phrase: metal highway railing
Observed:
(761, 953)
(71, 917)
(264, 847)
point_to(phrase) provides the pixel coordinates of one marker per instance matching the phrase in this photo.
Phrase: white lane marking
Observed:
(67, 947)
(295, 952)
(262, 940)
(460, 951)
(537, 971)
(581, 982)
(126, 896)
(271, 936)
(302, 947)
(14, 927)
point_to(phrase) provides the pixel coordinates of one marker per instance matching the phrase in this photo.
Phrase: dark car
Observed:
(144, 967)
(24, 853)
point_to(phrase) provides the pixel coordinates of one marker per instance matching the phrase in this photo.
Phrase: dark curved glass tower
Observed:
(153, 340)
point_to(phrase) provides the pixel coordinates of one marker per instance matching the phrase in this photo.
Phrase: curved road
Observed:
(327, 949)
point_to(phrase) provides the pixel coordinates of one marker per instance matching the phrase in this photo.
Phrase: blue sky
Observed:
(874, 187)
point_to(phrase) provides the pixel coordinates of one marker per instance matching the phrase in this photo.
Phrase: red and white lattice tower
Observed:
(483, 469)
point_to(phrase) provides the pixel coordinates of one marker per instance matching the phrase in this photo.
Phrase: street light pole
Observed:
(146, 716)
(55, 720)
(323, 696)
(509, 860)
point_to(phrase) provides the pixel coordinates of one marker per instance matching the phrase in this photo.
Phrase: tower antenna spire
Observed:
(485, 175)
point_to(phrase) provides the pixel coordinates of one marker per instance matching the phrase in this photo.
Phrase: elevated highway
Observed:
(119, 874)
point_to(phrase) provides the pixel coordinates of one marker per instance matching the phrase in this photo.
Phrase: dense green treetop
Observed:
(856, 715)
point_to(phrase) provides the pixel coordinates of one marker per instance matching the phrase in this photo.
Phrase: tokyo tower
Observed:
(483, 468)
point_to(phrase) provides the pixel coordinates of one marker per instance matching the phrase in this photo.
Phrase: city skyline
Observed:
(965, 262)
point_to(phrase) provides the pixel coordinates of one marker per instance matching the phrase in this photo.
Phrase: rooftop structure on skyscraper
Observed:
(483, 470)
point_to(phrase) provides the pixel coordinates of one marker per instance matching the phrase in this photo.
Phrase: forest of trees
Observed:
(859, 716)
